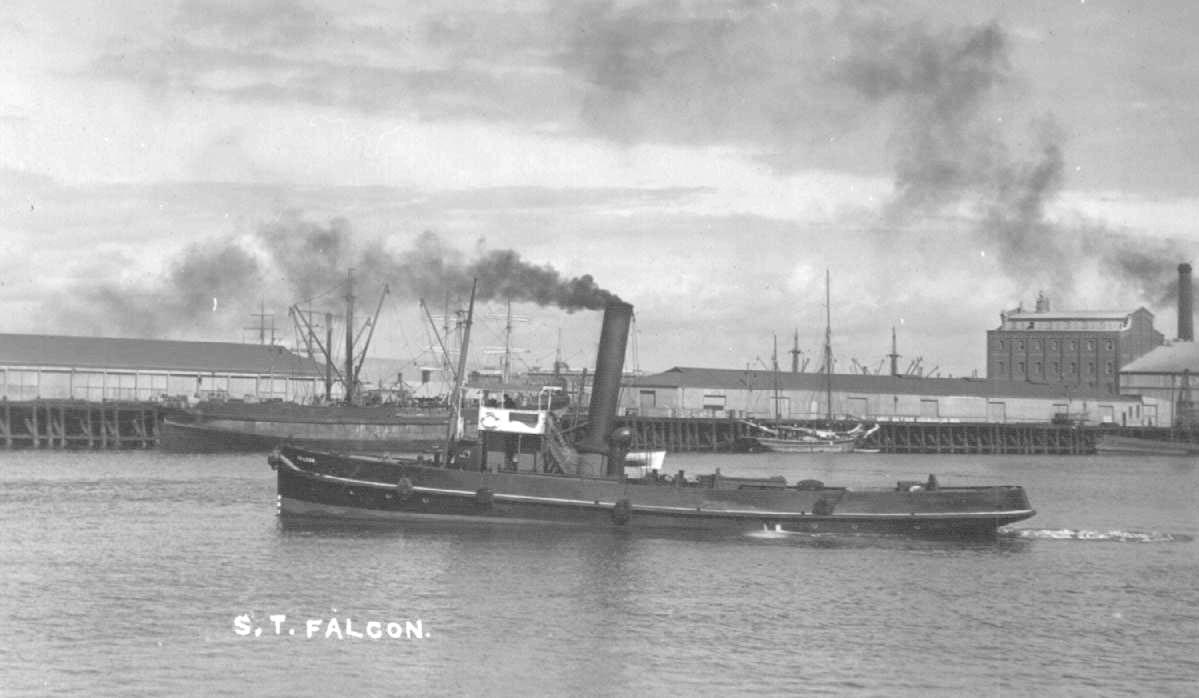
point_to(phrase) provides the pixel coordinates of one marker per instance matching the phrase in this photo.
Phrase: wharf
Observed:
(59, 424)
(681, 434)
(988, 438)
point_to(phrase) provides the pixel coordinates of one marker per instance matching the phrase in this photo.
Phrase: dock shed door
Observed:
(782, 406)
(996, 412)
(858, 407)
(929, 409)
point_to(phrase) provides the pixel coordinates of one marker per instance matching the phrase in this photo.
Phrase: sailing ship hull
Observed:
(334, 487)
(815, 446)
(260, 428)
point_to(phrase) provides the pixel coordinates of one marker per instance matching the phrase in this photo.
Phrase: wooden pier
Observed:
(687, 434)
(989, 438)
(730, 435)
(77, 424)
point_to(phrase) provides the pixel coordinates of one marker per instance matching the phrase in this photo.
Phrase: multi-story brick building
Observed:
(1084, 348)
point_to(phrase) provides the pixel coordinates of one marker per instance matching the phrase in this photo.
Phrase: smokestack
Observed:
(1186, 321)
(605, 386)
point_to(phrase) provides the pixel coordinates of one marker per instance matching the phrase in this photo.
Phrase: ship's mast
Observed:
(508, 343)
(328, 358)
(795, 352)
(894, 355)
(828, 349)
(349, 374)
(775, 366)
(459, 378)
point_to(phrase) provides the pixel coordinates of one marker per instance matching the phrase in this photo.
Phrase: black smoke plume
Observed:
(952, 152)
(788, 80)
(219, 288)
(431, 270)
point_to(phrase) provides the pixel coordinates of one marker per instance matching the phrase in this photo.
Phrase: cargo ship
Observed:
(247, 427)
(346, 425)
(586, 484)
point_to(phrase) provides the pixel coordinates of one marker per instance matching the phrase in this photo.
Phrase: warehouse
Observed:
(705, 392)
(1168, 375)
(1079, 348)
(104, 368)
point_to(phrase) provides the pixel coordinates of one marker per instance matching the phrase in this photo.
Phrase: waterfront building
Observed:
(706, 392)
(1080, 348)
(36, 367)
(1169, 376)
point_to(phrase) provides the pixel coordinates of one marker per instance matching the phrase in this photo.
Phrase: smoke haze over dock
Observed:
(170, 169)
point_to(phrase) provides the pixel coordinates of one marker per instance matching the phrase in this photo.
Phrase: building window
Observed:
(1073, 367)
(1020, 368)
(1002, 367)
(1001, 345)
(1036, 368)
(1107, 368)
(1053, 345)
(1073, 345)
(1057, 368)
(1090, 345)
(1090, 368)
(1019, 345)
(1107, 345)
(1036, 345)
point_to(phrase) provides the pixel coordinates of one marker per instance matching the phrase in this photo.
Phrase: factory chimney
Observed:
(1186, 321)
(605, 386)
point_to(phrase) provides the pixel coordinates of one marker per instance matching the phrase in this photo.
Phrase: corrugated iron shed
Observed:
(734, 379)
(152, 354)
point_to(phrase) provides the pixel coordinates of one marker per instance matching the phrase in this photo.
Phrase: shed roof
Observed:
(735, 379)
(1168, 358)
(151, 354)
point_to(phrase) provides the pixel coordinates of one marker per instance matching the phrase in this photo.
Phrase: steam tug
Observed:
(587, 484)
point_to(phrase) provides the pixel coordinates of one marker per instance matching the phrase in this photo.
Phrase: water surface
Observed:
(123, 574)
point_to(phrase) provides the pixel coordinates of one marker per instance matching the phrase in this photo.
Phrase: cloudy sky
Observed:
(168, 169)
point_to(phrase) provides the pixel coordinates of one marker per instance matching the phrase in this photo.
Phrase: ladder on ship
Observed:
(561, 456)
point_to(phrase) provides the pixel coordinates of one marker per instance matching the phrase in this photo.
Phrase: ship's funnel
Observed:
(605, 387)
(1186, 320)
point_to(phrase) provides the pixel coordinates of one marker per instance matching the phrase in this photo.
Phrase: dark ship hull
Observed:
(262, 427)
(313, 484)
(584, 482)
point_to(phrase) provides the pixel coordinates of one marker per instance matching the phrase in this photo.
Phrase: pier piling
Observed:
(62, 424)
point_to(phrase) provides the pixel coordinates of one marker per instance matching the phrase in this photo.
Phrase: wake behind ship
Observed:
(586, 484)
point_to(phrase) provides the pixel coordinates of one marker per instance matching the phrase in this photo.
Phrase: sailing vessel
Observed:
(236, 426)
(585, 483)
(784, 438)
